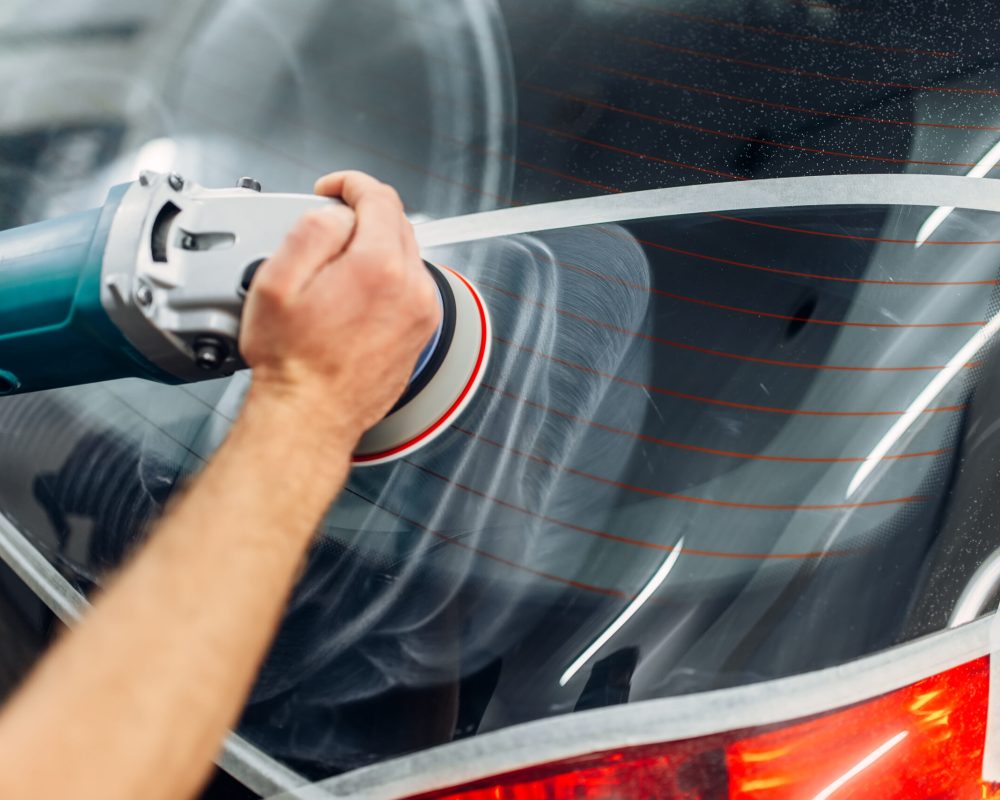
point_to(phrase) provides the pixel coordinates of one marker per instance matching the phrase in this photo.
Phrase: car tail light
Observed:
(922, 741)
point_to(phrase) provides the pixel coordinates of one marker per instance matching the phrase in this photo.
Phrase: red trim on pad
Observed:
(446, 417)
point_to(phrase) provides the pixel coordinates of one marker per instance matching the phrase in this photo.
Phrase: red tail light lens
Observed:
(922, 741)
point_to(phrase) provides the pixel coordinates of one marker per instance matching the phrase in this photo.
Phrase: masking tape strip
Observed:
(825, 190)
(653, 721)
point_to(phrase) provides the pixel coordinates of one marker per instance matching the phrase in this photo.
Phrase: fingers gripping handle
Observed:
(429, 355)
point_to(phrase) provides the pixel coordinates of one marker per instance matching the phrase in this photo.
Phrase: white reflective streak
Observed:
(924, 399)
(647, 591)
(862, 765)
(977, 592)
(940, 214)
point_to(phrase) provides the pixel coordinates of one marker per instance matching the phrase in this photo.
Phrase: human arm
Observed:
(135, 702)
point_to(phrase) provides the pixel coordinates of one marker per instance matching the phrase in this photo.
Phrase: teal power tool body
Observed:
(152, 284)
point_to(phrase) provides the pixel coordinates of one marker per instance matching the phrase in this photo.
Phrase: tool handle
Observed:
(53, 330)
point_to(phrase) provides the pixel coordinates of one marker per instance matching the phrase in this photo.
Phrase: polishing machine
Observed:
(152, 285)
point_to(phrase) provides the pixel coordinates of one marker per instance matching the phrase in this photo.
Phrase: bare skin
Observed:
(136, 701)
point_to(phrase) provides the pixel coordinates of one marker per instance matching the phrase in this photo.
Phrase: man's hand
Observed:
(136, 701)
(336, 318)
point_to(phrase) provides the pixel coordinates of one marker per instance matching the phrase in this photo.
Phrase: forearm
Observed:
(142, 693)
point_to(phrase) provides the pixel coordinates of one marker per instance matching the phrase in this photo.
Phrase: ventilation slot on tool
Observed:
(161, 229)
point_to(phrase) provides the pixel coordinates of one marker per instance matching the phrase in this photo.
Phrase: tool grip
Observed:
(53, 330)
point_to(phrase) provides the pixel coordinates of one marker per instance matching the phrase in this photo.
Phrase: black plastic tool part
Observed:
(447, 333)
(249, 272)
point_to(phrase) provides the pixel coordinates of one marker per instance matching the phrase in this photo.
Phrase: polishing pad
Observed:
(443, 388)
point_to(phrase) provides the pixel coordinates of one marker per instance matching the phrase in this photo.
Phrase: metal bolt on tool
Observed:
(143, 294)
(209, 353)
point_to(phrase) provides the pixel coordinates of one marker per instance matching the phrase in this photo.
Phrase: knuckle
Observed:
(376, 257)
(303, 234)
(270, 292)
(269, 289)
(390, 195)
(392, 264)
(355, 182)
(251, 349)
(371, 278)
(355, 175)
(408, 233)
(314, 226)
(313, 219)
(425, 307)
(297, 238)
(361, 253)
(428, 320)
(386, 273)
(341, 216)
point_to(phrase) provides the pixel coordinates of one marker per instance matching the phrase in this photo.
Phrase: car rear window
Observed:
(712, 448)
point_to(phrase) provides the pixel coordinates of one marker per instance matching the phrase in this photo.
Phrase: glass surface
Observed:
(706, 453)
(618, 95)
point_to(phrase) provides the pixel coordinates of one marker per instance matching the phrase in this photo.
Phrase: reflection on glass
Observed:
(938, 215)
(637, 602)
